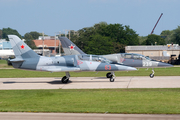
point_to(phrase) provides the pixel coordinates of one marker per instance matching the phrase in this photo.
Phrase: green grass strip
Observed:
(128, 101)
(16, 73)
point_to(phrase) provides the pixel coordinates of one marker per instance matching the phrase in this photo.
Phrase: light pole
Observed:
(55, 44)
(59, 43)
(43, 43)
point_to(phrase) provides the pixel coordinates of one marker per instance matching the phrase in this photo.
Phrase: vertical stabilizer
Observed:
(21, 49)
(69, 47)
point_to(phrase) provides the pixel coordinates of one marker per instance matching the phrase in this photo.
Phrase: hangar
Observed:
(157, 52)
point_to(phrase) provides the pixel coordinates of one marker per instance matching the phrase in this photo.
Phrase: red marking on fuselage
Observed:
(79, 62)
(107, 67)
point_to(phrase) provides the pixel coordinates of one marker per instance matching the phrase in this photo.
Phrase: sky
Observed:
(53, 16)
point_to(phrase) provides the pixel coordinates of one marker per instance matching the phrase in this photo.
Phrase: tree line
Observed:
(103, 38)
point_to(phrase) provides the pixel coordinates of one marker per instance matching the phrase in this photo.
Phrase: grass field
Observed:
(140, 101)
(132, 101)
(16, 73)
(3, 64)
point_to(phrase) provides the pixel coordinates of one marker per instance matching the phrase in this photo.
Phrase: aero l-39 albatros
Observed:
(129, 59)
(26, 58)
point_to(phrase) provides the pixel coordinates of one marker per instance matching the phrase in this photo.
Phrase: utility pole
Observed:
(59, 43)
(69, 35)
(65, 33)
(55, 44)
(43, 43)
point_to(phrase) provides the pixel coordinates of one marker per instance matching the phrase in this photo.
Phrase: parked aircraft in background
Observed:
(26, 58)
(6, 53)
(129, 59)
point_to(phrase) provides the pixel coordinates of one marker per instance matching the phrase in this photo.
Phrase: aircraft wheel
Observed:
(109, 75)
(111, 79)
(65, 79)
(151, 75)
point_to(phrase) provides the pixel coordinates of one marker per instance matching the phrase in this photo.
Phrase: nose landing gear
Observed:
(152, 74)
(111, 75)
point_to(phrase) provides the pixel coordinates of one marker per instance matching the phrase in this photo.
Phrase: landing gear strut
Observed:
(111, 75)
(152, 74)
(65, 79)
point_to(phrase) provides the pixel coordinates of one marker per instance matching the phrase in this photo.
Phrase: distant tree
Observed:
(107, 38)
(83, 37)
(120, 36)
(99, 45)
(9, 31)
(29, 41)
(0, 34)
(31, 44)
(167, 35)
(151, 39)
(142, 40)
(176, 35)
(28, 36)
(35, 35)
(118, 48)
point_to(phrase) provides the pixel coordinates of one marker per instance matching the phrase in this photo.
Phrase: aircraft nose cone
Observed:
(161, 64)
(126, 68)
(131, 69)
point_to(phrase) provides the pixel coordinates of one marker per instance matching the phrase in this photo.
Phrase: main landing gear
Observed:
(65, 79)
(152, 74)
(111, 75)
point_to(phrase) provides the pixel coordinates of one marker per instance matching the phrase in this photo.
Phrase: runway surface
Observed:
(78, 116)
(90, 83)
(87, 83)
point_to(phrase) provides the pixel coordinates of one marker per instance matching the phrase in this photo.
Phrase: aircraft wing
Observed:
(69, 47)
(61, 69)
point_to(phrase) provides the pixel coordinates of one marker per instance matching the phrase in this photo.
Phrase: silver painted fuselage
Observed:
(135, 60)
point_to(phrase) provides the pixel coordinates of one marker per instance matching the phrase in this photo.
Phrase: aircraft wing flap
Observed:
(63, 69)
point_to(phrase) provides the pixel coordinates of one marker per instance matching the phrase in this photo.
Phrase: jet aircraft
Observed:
(26, 58)
(129, 59)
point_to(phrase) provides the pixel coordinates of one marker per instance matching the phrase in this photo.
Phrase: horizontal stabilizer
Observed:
(17, 60)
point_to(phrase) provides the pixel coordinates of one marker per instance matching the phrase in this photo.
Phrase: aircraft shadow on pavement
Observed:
(59, 82)
(93, 80)
(51, 82)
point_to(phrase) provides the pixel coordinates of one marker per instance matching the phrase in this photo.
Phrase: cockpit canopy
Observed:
(94, 58)
(135, 56)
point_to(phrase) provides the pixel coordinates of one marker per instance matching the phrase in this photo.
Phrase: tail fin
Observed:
(21, 49)
(69, 47)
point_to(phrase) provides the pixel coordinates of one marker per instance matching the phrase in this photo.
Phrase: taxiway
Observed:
(90, 83)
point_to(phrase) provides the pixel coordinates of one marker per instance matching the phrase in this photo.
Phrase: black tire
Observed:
(151, 75)
(111, 79)
(109, 75)
(65, 79)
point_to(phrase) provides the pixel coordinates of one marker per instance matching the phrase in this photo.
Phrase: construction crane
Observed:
(156, 23)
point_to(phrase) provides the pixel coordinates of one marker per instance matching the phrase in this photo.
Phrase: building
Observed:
(5, 49)
(49, 43)
(155, 51)
(5, 45)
